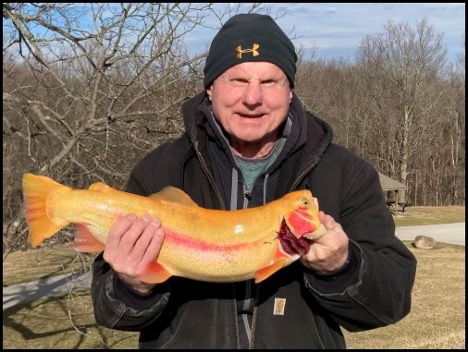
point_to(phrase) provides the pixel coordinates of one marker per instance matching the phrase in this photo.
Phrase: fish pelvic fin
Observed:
(36, 192)
(85, 241)
(269, 270)
(154, 273)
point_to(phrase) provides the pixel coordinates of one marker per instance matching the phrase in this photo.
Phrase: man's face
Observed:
(251, 100)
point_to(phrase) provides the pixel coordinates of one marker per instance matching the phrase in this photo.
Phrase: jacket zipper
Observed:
(210, 177)
(254, 320)
(218, 195)
(301, 176)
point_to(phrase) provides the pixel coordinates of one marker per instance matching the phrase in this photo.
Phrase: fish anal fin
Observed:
(269, 270)
(173, 195)
(154, 273)
(85, 241)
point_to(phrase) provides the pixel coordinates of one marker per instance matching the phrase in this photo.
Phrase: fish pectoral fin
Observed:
(154, 273)
(85, 241)
(174, 195)
(269, 270)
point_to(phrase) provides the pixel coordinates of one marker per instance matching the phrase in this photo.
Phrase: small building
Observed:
(391, 188)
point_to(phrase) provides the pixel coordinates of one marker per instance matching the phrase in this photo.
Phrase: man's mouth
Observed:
(251, 116)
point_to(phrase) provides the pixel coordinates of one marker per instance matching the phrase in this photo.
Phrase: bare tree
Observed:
(407, 61)
(456, 114)
(90, 87)
(398, 106)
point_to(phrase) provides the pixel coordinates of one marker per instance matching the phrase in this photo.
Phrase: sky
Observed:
(333, 30)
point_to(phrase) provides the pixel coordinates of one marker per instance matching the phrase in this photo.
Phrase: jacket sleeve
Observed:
(374, 290)
(116, 306)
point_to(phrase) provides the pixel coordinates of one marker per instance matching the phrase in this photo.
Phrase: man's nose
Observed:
(253, 94)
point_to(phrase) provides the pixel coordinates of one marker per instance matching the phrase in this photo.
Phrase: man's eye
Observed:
(269, 83)
(239, 81)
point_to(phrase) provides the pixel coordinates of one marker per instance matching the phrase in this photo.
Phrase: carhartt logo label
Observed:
(241, 51)
(280, 304)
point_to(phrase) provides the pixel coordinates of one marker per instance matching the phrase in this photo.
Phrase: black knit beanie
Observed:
(247, 38)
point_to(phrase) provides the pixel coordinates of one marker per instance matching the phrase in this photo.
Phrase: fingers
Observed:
(152, 250)
(137, 238)
(327, 221)
(132, 243)
(322, 217)
(329, 251)
(117, 231)
(148, 245)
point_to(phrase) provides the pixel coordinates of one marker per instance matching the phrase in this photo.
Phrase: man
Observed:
(249, 140)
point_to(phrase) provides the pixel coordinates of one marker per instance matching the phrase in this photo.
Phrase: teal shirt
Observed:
(252, 168)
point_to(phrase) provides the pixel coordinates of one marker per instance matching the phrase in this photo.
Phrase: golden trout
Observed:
(200, 244)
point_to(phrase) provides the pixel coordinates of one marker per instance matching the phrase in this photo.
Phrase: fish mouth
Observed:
(290, 243)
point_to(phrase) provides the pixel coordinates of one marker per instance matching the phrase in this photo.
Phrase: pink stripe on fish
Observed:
(183, 240)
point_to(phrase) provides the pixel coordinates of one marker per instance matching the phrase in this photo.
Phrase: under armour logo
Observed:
(254, 51)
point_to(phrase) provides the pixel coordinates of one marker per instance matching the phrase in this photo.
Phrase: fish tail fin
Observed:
(36, 190)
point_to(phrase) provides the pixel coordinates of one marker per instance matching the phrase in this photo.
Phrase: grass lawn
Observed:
(430, 216)
(437, 318)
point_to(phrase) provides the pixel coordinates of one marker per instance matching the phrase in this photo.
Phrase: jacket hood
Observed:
(192, 115)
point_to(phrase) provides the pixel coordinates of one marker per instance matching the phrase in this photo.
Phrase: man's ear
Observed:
(209, 92)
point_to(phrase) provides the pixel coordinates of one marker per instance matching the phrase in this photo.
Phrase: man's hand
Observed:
(131, 245)
(328, 253)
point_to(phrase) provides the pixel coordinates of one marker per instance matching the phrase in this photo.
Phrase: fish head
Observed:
(301, 223)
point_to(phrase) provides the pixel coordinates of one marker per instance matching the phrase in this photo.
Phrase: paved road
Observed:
(447, 233)
(31, 291)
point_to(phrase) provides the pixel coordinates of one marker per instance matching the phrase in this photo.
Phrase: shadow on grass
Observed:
(45, 287)
(59, 322)
(43, 263)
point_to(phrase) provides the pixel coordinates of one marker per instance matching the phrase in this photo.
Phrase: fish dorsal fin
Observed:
(100, 187)
(174, 195)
